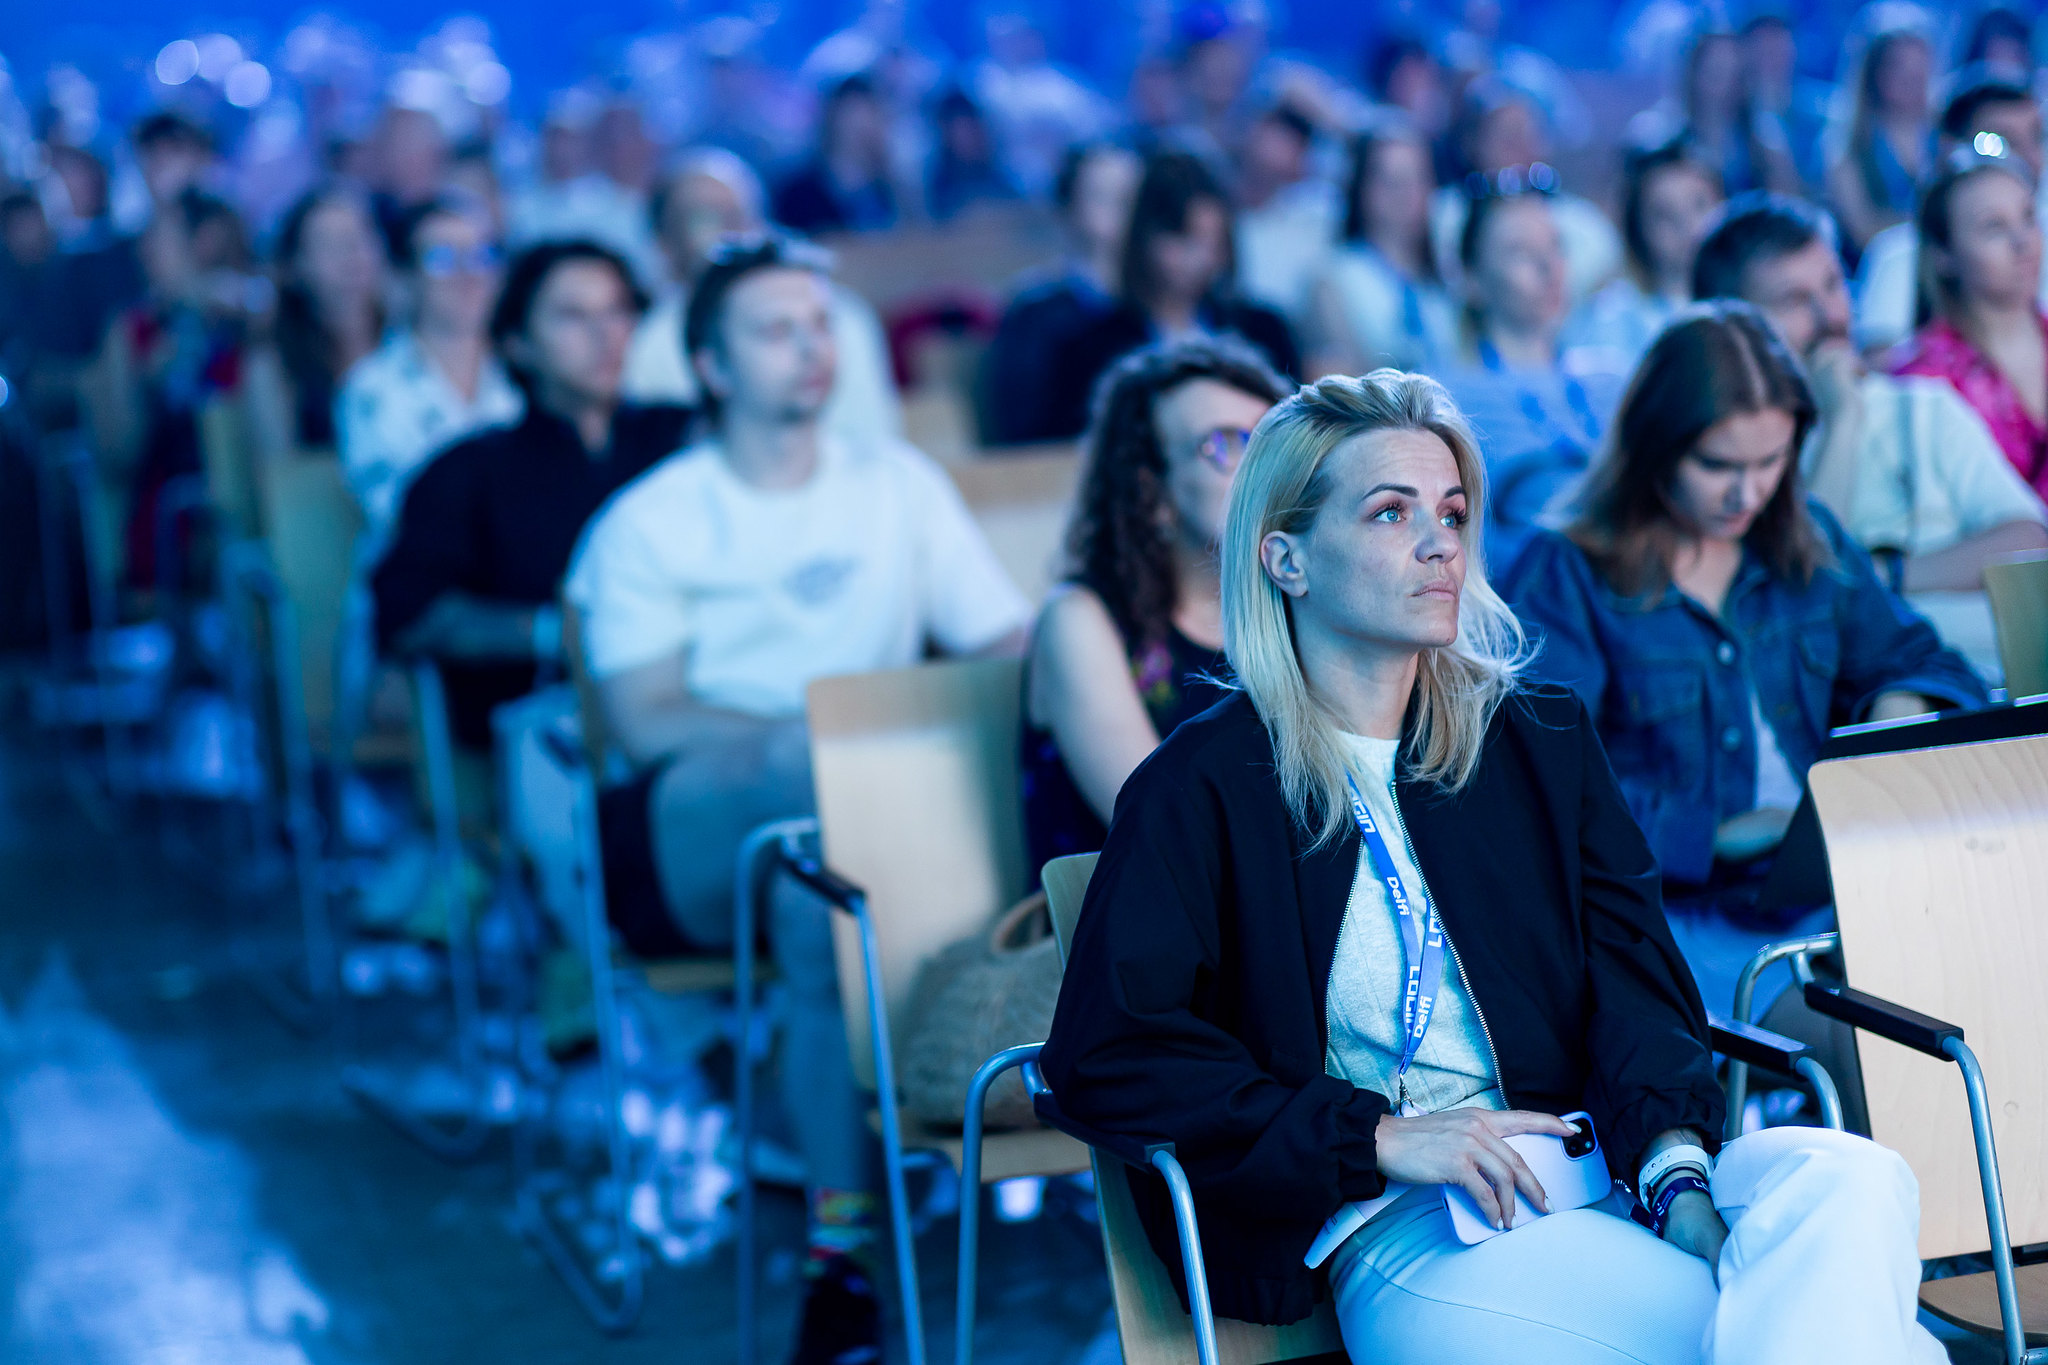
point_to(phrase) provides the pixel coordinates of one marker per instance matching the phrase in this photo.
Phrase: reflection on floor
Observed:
(185, 1183)
(184, 1180)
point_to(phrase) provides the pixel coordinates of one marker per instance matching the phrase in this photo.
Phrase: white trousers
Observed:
(1820, 1264)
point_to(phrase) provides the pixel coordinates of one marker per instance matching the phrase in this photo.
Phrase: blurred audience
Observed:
(1131, 644)
(435, 379)
(1176, 281)
(1668, 199)
(332, 290)
(1769, 59)
(1380, 299)
(965, 170)
(1889, 141)
(1716, 121)
(165, 359)
(1887, 284)
(408, 164)
(573, 199)
(1502, 136)
(1716, 621)
(486, 529)
(1286, 214)
(1980, 282)
(1540, 411)
(1903, 463)
(1093, 193)
(712, 194)
(849, 184)
(1404, 75)
(710, 593)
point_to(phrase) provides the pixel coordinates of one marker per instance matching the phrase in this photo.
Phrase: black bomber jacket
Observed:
(1193, 1009)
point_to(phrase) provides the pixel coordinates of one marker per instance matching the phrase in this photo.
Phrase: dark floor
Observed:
(185, 1180)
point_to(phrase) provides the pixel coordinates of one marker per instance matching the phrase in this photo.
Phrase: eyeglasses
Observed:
(439, 262)
(1223, 448)
(1511, 182)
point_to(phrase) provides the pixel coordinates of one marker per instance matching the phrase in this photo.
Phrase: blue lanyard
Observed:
(1412, 325)
(1532, 406)
(1422, 938)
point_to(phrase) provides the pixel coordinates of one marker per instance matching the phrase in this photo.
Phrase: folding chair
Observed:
(1153, 1327)
(919, 814)
(579, 756)
(1939, 858)
(2018, 589)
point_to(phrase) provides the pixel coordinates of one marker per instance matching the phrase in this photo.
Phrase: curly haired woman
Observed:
(1123, 646)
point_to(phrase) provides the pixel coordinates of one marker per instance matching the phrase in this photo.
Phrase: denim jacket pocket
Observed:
(1820, 660)
(1658, 737)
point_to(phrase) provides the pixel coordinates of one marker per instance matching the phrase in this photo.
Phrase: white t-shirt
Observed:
(1454, 1066)
(760, 591)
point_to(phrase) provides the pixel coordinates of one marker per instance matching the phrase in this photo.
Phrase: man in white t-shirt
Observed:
(710, 592)
(710, 195)
(1907, 466)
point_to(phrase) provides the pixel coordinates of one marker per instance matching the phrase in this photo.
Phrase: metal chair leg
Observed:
(2016, 1352)
(466, 1138)
(892, 1135)
(1801, 951)
(618, 1314)
(970, 1190)
(758, 861)
(1192, 1265)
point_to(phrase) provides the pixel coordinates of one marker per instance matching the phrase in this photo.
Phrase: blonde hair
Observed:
(1281, 485)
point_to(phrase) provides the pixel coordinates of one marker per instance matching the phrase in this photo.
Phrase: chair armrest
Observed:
(1757, 1046)
(1130, 1150)
(812, 872)
(1909, 1028)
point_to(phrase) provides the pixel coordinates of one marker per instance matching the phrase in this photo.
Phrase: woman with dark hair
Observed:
(1716, 621)
(1125, 648)
(1668, 197)
(1721, 126)
(1381, 299)
(1179, 260)
(1890, 138)
(332, 277)
(1364, 929)
(1981, 326)
(1541, 409)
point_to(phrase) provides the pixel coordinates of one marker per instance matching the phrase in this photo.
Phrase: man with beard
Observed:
(1906, 464)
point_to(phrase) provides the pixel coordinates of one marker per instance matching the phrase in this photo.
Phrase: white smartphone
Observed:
(1572, 1171)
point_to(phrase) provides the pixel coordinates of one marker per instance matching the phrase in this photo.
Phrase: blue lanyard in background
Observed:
(1422, 941)
(1532, 405)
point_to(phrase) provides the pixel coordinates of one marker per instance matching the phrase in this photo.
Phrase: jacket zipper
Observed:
(1478, 1011)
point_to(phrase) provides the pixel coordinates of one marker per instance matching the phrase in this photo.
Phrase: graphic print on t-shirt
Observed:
(819, 581)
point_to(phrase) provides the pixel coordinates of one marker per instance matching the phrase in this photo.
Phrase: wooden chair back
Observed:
(2018, 589)
(1940, 866)
(1152, 1326)
(311, 523)
(917, 782)
(1022, 500)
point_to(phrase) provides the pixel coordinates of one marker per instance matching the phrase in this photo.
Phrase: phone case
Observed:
(1571, 1181)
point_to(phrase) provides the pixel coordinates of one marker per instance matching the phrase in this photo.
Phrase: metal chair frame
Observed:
(615, 1310)
(1931, 1037)
(468, 1136)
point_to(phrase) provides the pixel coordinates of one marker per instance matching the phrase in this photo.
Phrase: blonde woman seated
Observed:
(1385, 778)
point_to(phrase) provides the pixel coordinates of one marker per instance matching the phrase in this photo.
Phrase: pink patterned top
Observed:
(1940, 351)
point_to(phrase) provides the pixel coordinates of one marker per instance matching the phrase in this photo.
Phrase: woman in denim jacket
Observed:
(1716, 621)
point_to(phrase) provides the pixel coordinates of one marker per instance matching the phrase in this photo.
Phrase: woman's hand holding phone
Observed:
(1468, 1148)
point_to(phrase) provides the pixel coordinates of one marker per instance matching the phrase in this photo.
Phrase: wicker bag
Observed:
(993, 991)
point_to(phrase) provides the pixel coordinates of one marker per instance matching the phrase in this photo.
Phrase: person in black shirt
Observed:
(1179, 257)
(847, 187)
(488, 527)
(1093, 194)
(1126, 648)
